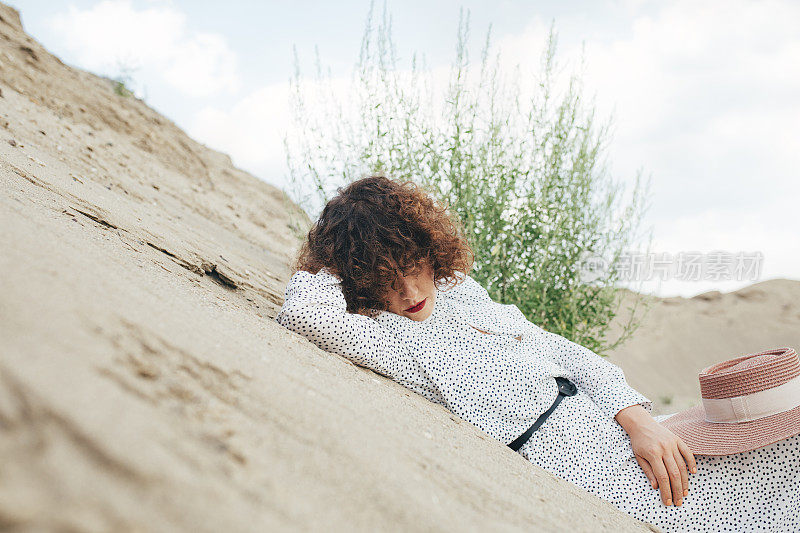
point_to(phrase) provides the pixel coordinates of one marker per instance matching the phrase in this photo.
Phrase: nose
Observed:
(409, 291)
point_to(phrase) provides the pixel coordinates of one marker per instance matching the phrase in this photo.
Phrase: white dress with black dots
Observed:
(501, 382)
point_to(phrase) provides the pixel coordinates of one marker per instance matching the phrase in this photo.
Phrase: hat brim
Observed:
(714, 438)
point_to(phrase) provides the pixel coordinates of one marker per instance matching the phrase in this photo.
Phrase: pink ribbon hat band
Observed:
(748, 402)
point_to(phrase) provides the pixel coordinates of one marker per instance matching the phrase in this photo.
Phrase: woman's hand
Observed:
(664, 457)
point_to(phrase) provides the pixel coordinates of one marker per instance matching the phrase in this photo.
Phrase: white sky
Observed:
(704, 94)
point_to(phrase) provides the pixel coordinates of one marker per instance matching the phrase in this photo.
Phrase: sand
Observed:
(144, 385)
(681, 336)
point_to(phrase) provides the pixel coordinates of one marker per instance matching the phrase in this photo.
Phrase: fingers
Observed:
(675, 481)
(647, 471)
(688, 455)
(684, 488)
(662, 477)
(667, 463)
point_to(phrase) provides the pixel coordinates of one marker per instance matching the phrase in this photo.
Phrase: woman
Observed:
(383, 280)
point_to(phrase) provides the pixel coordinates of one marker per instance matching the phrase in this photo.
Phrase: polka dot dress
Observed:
(745, 492)
(502, 381)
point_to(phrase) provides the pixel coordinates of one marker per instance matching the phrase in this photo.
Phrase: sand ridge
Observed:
(681, 336)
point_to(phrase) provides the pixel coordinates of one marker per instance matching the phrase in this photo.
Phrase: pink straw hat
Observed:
(748, 402)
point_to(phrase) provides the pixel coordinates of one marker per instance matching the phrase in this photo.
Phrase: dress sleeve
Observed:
(315, 307)
(602, 380)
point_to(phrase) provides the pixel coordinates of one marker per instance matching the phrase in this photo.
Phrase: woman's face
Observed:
(415, 289)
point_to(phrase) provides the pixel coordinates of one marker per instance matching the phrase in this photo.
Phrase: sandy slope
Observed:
(143, 383)
(681, 336)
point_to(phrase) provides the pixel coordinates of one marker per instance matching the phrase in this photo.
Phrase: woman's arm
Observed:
(602, 380)
(664, 457)
(315, 307)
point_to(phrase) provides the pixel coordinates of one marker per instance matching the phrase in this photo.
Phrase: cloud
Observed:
(771, 232)
(251, 131)
(113, 33)
(704, 96)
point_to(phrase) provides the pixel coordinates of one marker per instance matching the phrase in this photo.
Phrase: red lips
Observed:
(418, 307)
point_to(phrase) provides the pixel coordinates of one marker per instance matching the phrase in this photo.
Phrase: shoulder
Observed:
(464, 289)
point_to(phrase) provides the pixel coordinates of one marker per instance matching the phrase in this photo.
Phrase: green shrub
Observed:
(522, 171)
(121, 89)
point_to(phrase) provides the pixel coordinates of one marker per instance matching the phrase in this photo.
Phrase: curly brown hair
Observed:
(376, 226)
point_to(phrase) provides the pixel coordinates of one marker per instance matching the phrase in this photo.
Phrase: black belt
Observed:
(565, 388)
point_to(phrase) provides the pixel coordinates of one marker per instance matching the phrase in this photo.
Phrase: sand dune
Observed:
(143, 383)
(681, 336)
